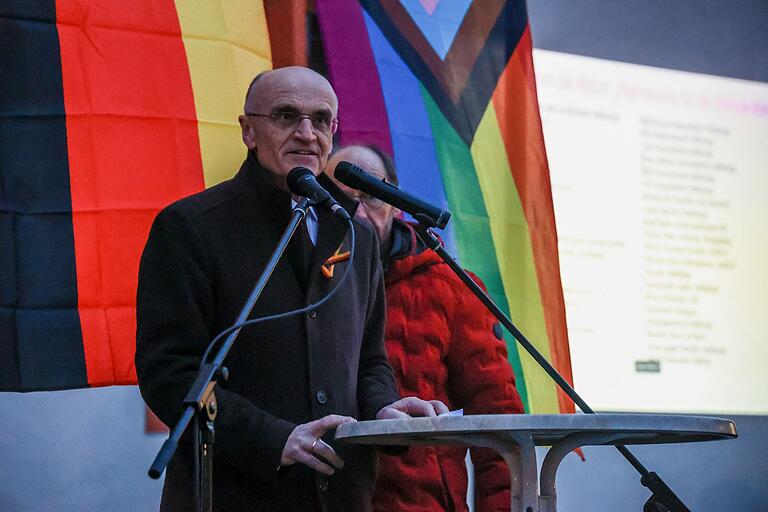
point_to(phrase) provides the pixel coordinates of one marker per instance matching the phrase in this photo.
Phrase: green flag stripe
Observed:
(470, 220)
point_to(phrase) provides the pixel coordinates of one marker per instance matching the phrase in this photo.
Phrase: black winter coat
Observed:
(203, 256)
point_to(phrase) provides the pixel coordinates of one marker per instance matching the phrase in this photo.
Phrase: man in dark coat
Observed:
(291, 381)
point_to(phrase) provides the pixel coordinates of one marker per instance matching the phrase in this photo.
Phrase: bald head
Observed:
(377, 213)
(293, 77)
(289, 119)
(369, 157)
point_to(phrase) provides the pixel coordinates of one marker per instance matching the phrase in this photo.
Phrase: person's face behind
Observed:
(282, 140)
(376, 212)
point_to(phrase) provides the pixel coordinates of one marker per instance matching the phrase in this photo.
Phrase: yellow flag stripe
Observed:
(227, 44)
(514, 252)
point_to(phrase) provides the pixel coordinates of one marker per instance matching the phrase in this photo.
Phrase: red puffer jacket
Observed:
(441, 345)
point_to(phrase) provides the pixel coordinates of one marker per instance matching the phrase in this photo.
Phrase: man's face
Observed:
(291, 105)
(377, 213)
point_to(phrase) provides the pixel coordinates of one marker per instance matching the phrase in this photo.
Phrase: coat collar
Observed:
(275, 204)
(267, 197)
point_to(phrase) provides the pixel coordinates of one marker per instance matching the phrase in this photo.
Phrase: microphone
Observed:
(303, 183)
(425, 213)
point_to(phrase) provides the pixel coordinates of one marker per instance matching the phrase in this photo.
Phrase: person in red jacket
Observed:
(442, 344)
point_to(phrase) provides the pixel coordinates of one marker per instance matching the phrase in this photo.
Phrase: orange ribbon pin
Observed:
(327, 267)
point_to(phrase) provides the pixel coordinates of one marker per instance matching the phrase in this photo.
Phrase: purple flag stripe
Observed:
(353, 73)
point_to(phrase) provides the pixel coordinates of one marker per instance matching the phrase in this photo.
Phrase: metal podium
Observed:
(515, 437)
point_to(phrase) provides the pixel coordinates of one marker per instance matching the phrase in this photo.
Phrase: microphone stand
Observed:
(201, 401)
(662, 499)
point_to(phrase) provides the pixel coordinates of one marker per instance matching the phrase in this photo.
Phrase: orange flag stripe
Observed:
(520, 127)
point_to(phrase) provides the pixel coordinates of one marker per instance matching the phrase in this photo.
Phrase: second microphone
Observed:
(426, 214)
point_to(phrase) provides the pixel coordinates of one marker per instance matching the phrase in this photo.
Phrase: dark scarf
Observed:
(403, 242)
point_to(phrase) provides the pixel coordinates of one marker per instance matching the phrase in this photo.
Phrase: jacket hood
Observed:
(414, 261)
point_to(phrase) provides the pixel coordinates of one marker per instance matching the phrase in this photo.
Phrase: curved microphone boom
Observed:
(426, 214)
(303, 183)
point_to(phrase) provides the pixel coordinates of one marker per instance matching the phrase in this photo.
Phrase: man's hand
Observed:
(305, 446)
(411, 406)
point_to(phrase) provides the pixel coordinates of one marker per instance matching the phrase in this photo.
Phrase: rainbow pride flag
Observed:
(448, 88)
(109, 110)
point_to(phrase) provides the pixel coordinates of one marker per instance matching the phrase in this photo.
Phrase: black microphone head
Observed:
(357, 178)
(302, 182)
(296, 175)
(346, 172)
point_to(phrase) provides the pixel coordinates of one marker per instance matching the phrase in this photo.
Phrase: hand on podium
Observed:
(305, 445)
(411, 406)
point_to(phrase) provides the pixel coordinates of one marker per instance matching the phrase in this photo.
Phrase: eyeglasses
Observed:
(289, 120)
(370, 202)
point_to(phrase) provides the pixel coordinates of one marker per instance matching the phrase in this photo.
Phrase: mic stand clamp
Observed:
(202, 399)
(662, 499)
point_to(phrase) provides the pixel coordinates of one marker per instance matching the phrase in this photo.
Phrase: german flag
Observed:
(108, 112)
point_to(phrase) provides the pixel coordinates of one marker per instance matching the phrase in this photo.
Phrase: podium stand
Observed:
(515, 437)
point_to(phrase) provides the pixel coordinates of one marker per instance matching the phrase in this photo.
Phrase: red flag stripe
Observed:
(133, 148)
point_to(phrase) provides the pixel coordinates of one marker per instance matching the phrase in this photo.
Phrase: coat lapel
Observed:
(331, 236)
(332, 232)
(274, 203)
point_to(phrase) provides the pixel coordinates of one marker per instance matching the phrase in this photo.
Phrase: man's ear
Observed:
(249, 136)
